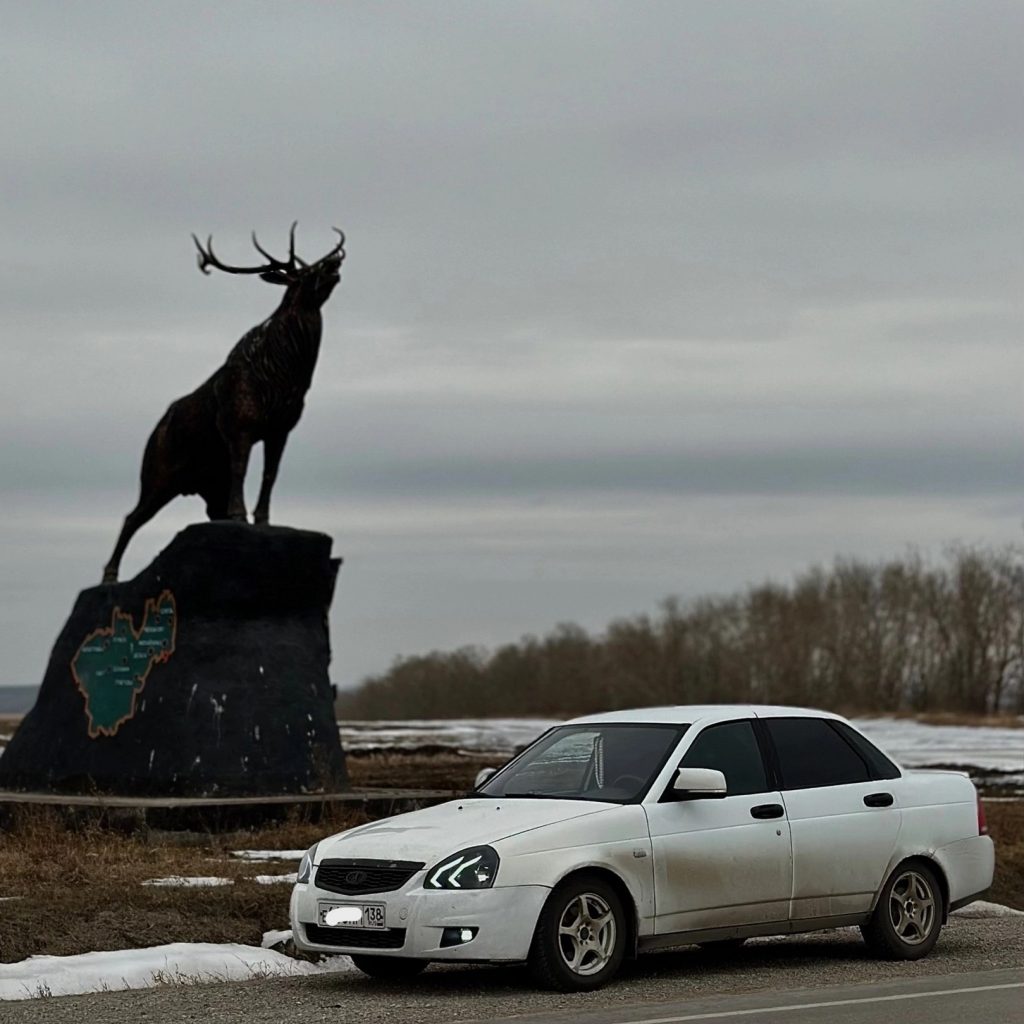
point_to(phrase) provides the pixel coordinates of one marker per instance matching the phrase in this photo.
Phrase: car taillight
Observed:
(982, 823)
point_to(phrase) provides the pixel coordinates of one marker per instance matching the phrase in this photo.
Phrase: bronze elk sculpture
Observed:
(202, 443)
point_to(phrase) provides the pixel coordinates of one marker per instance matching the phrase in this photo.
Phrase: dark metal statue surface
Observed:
(202, 443)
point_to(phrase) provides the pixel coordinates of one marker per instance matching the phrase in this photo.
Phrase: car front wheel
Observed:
(388, 968)
(580, 938)
(908, 917)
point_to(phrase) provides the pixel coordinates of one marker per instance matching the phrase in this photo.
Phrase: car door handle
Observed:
(878, 800)
(767, 811)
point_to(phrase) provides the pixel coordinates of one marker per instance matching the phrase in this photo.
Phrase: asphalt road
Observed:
(991, 996)
(825, 977)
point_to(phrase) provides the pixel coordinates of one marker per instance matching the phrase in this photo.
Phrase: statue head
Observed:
(309, 284)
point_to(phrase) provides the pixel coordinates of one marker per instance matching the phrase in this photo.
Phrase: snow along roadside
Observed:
(178, 963)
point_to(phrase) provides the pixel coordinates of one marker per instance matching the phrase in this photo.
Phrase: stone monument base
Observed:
(206, 675)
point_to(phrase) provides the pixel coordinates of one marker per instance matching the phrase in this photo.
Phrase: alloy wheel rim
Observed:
(912, 907)
(586, 934)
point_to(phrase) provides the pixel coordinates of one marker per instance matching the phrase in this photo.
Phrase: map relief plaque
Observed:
(113, 663)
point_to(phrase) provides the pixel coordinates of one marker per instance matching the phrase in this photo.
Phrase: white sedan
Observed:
(633, 830)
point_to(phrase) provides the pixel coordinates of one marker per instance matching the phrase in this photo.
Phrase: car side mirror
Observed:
(699, 784)
(482, 776)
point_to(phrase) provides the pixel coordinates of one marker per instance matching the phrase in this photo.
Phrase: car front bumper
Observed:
(414, 922)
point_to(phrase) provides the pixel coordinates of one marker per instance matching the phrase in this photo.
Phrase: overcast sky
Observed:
(640, 299)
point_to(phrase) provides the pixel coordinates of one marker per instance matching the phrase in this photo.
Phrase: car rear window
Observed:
(881, 767)
(812, 754)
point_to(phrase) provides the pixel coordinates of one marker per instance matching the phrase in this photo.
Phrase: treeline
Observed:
(903, 635)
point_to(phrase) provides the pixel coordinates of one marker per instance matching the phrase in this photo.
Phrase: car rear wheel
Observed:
(908, 917)
(580, 938)
(388, 968)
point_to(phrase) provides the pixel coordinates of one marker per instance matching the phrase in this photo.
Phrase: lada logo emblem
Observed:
(355, 877)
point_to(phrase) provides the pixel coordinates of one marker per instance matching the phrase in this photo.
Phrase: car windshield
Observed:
(609, 762)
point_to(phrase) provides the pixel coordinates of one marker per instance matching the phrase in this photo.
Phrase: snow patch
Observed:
(175, 963)
(185, 882)
(276, 879)
(909, 743)
(268, 854)
(915, 745)
(982, 908)
(475, 734)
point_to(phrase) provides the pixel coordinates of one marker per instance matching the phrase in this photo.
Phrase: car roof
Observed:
(693, 714)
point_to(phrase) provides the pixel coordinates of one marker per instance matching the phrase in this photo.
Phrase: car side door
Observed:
(845, 819)
(726, 861)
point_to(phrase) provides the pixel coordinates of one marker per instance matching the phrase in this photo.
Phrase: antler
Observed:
(277, 264)
(207, 258)
(338, 249)
(285, 269)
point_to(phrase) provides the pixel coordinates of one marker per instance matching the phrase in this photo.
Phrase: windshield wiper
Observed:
(540, 796)
(561, 796)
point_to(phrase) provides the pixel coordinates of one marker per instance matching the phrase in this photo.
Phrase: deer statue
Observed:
(202, 443)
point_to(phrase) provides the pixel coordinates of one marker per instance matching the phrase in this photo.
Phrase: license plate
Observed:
(351, 915)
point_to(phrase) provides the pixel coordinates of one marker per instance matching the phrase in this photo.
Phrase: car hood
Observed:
(435, 832)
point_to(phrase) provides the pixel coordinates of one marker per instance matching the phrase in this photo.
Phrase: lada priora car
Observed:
(632, 830)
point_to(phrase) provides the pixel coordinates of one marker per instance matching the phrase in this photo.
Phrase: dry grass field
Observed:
(79, 884)
(1006, 826)
(81, 890)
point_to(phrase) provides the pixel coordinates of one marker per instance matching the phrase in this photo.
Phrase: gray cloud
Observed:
(613, 271)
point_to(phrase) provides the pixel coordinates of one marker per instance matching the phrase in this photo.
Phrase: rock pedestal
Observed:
(206, 675)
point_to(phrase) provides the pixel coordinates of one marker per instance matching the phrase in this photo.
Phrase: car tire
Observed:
(580, 939)
(388, 968)
(908, 917)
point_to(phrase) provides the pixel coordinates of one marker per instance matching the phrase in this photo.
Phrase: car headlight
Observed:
(474, 868)
(306, 864)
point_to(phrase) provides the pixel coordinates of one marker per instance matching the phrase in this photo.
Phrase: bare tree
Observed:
(859, 637)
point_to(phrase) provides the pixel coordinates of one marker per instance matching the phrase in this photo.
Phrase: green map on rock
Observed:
(112, 665)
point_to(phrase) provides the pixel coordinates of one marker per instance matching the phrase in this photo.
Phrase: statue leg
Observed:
(147, 507)
(215, 486)
(273, 449)
(216, 506)
(239, 448)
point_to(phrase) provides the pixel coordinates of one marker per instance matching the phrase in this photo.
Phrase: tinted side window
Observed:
(731, 748)
(813, 754)
(881, 767)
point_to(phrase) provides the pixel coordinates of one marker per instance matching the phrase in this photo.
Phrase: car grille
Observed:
(358, 877)
(356, 938)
